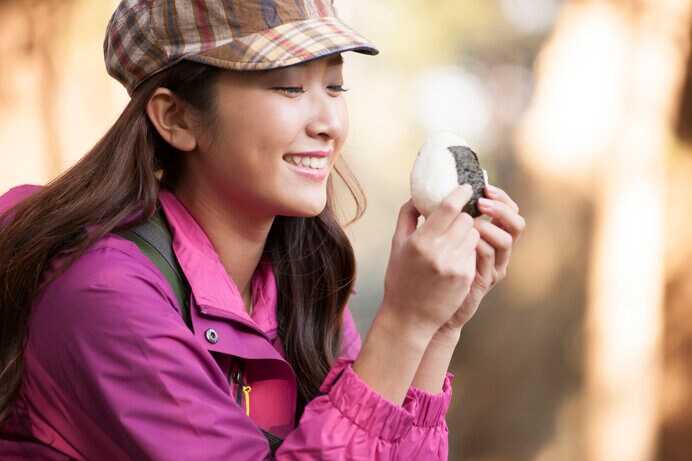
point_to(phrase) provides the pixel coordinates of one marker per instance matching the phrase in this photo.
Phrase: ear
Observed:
(171, 119)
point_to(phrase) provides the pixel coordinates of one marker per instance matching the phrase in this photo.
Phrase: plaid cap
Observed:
(147, 36)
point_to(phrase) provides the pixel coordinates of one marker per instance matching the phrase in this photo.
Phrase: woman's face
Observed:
(275, 138)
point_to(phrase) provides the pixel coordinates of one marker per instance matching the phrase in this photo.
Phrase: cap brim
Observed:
(286, 45)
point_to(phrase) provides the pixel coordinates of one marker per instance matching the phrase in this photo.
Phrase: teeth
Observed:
(309, 162)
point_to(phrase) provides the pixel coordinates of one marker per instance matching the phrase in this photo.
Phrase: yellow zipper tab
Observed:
(246, 391)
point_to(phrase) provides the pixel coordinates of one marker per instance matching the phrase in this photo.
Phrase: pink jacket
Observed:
(113, 373)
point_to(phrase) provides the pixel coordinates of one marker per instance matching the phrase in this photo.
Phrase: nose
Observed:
(329, 116)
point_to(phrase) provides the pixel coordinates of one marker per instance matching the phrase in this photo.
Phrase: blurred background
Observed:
(580, 109)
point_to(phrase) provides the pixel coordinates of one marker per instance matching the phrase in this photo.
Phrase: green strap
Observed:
(154, 240)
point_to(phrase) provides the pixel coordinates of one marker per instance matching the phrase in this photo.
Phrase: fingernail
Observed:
(492, 190)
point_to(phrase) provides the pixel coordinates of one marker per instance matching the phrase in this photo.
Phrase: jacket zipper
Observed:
(235, 375)
(242, 390)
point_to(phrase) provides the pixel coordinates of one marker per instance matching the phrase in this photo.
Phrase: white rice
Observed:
(434, 173)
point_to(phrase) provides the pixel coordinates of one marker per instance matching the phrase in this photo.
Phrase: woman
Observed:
(235, 124)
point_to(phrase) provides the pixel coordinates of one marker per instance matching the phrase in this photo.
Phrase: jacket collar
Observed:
(211, 285)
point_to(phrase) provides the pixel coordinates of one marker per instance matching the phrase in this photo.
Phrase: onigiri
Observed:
(445, 161)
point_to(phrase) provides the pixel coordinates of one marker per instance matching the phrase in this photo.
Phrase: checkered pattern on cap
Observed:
(147, 36)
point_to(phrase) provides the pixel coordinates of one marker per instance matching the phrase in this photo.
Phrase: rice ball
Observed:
(444, 162)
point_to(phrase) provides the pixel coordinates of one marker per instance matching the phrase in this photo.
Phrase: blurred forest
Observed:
(580, 109)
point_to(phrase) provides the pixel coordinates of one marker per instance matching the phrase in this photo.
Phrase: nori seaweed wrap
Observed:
(469, 171)
(445, 161)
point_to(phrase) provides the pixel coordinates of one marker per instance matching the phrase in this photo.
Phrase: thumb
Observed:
(407, 222)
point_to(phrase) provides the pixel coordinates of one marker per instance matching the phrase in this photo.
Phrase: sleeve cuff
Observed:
(363, 406)
(430, 409)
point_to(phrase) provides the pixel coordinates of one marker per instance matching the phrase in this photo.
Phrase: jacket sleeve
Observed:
(352, 421)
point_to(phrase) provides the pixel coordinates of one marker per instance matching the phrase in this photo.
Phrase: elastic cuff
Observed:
(431, 409)
(363, 406)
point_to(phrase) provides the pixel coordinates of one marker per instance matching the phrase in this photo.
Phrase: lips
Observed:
(311, 164)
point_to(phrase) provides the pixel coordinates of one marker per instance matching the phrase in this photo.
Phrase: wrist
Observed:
(432, 371)
(391, 354)
(447, 336)
(415, 333)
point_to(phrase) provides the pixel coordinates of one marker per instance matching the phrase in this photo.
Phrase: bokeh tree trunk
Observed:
(609, 84)
(32, 56)
(675, 443)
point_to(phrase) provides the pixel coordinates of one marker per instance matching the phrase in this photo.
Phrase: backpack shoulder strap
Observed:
(274, 442)
(154, 240)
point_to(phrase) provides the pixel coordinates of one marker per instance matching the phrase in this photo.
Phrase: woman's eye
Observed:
(293, 90)
(337, 89)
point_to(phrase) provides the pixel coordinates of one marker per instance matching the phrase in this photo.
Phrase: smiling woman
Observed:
(181, 292)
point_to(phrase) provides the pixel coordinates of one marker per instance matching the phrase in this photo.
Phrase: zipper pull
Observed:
(246, 391)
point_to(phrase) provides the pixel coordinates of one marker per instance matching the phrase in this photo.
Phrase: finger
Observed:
(499, 239)
(466, 247)
(457, 231)
(465, 253)
(447, 211)
(485, 263)
(495, 193)
(407, 221)
(503, 216)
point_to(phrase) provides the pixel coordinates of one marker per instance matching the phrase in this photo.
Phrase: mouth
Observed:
(312, 162)
(313, 165)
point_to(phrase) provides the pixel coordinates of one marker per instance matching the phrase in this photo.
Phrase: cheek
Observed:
(265, 127)
(342, 114)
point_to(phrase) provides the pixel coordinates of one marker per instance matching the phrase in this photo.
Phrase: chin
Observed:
(310, 213)
(307, 209)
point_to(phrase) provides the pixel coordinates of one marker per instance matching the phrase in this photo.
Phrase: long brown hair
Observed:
(312, 258)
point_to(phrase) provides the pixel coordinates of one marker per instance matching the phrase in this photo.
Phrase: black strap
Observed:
(154, 239)
(274, 441)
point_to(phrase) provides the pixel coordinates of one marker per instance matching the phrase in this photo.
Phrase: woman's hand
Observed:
(431, 268)
(498, 237)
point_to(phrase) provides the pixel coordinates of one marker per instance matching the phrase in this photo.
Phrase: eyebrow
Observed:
(335, 60)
